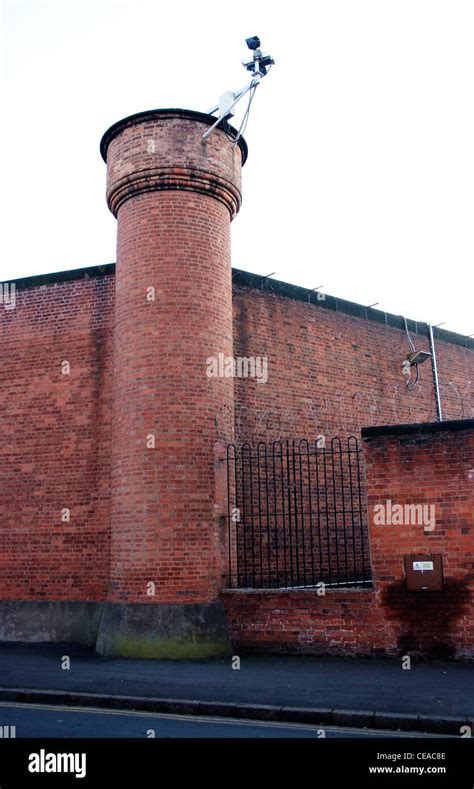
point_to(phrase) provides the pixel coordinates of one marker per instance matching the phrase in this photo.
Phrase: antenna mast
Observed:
(259, 65)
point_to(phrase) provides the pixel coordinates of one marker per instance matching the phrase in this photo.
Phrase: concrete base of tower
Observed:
(174, 631)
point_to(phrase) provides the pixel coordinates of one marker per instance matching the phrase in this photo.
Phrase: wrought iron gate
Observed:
(297, 515)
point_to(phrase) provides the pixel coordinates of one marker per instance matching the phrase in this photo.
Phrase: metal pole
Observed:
(435, 374)
(241, 93)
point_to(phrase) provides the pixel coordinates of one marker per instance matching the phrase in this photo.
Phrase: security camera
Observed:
(253, 42)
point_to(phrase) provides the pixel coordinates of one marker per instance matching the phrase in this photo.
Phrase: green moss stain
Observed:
(170, 648)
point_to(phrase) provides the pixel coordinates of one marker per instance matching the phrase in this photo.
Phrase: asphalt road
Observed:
(33, 720)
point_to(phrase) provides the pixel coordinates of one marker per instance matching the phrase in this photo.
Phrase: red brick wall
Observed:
(433, 469)
(331, 373)
(432, 466)
(339, 623)
(56, 428)
(56, 441)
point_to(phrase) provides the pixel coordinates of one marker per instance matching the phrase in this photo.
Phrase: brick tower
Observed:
(174, 196)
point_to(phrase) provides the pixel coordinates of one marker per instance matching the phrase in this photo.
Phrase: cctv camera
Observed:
(253, 42)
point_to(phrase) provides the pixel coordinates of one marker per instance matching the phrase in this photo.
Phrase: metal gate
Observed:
(297, 515)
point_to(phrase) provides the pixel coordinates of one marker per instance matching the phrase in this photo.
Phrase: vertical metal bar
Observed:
(244, 513)
(434, 367)
(239, 523)
(282, 478)
(290, 535)
(327, 514)
(260, 513)
(349, 452)
(269, 553)
(229, 516)
(302, 514)
(310, 508)
(333, 464)
(275, 514)
(343, 501)
(252, 524)
(318, 492)
(360, 515)
(295, 504)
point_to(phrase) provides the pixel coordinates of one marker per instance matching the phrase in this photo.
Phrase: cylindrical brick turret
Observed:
(174, 196)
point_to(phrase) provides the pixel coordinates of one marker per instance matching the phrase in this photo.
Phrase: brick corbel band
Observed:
(191, 180)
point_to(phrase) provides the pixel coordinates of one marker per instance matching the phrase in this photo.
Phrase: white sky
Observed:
(360, 174)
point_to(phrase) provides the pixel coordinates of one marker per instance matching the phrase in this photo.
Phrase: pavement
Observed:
(377, 694)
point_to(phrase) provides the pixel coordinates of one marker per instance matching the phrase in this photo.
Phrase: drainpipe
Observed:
(435, 374)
